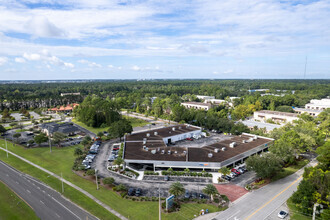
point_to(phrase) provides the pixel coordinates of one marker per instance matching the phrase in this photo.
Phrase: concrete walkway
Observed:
(69, 183)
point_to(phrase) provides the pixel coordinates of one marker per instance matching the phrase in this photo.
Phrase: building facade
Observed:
(197, 105)
(278, 117)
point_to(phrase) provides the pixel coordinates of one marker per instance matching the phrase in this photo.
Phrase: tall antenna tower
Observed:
(305, 68)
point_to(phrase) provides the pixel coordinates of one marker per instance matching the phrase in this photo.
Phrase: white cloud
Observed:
(20, 60)
(90, 64)
(32, 56)
(135, 68)
(3, 60)
(48, 58)
(40, 26)
(110, 66)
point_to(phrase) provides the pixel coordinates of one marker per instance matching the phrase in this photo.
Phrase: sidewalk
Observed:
(69, 183)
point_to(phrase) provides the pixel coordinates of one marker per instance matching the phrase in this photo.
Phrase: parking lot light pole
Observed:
(6, 147)
(50, 143)
(97, 184)
(62, 183)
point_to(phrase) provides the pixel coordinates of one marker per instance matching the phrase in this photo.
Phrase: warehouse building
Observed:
(154, 149)
(197, 105)
(280, 117)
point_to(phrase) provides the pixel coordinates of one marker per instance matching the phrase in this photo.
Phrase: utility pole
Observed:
(50, 143)
(97, 184)
(314, 210)
(160, 205)
(6, 147)
(62, 183)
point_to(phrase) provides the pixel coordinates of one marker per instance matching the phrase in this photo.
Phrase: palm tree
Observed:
(176, 189)
(210, 190)
(224, 170)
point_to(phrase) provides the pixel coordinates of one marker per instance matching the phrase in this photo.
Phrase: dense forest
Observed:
(15, 96)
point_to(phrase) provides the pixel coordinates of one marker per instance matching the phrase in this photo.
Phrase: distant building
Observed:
(215, 101)
(311, 112)
(71, 93)
(65, 128)
(318, 104)
(261, 125)
(64, 109)
(203, 97)
(197, 105)
(258, 90)
(280, 117)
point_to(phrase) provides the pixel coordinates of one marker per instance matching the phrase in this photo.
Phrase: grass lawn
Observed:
(136, 122)
(12, 207)
(94, 130)
(294, 213)
(21, 130)
(61, 160)
(290, 170)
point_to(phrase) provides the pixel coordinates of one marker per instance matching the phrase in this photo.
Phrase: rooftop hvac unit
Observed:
(223, 149)
(255, 137)
(175, 152)
(232, 144)
(184, 152)
(250, 139)
(243, 141)
(216, 150)
(173, 129)
(210, 155)
(153, 151)
(158, 149)
(148, 134)
(155, 133)
(144, 141)
(180, 127)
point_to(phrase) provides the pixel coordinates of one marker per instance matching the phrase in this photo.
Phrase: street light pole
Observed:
(50, 143)
(160, 206)
(97, 184)
(6, 147)
(62, 183)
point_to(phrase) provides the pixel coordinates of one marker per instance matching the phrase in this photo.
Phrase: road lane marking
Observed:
(233, 215)
(66, 208)
(273, 198)
(18, 195)
(57, 215)
(17, 182)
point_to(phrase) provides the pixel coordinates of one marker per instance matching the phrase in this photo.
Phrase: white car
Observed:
(282, 214)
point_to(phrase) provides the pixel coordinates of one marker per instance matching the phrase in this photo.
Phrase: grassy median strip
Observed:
(69, 192)
(13, 207)
(61, 160)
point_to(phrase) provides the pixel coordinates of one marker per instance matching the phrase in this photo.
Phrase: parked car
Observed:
(138, 192)
(240, 170)
(131, 192)
(115, 148)
(282, 214)
(153, 124)
(189, 139)
(228, 178)
(202, 196)
(111, 158)
(187, 195)
(166, 178)
(194, 195)
(232, 175)
(235, 171)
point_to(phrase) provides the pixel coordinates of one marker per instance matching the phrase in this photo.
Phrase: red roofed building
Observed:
(64, 109)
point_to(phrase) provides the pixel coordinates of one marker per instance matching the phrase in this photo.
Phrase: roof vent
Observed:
(153, 151)
(223, 149)
(175, 152)
(184, 152)
(155, 133)
(232, 144)
(216, 150)
(255, 137)
(210, 155)
(144, 141)
(243, 141)
(250, 139)
(173, 129)
(148, 134)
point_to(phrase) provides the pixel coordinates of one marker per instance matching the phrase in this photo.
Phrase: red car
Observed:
(235, 171)
(189, 139)
(115, 148)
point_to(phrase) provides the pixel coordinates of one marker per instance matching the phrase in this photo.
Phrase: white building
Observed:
(203, 97)
(197, 105)
(311, 112)
(280, 117)
(215, 101)
(318, 104)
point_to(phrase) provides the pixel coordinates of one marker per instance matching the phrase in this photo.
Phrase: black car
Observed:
(226, 177)
(166, 178)
(153, 124)
(138, 192)
(194, 195)
(131, 192)
(202, 196)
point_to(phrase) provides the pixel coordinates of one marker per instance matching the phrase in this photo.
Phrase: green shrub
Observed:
(90, 172)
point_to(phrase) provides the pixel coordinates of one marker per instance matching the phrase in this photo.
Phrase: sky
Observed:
(141, 39)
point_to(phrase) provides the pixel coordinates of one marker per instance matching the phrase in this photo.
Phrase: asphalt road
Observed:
(261, 203)
(47, 203)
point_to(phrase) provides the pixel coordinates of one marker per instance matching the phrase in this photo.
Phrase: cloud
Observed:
(110, 66)
(135, 68)
(90, 64)
(20, 60)
(3, 60)
(47, 57)
(40, 26)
